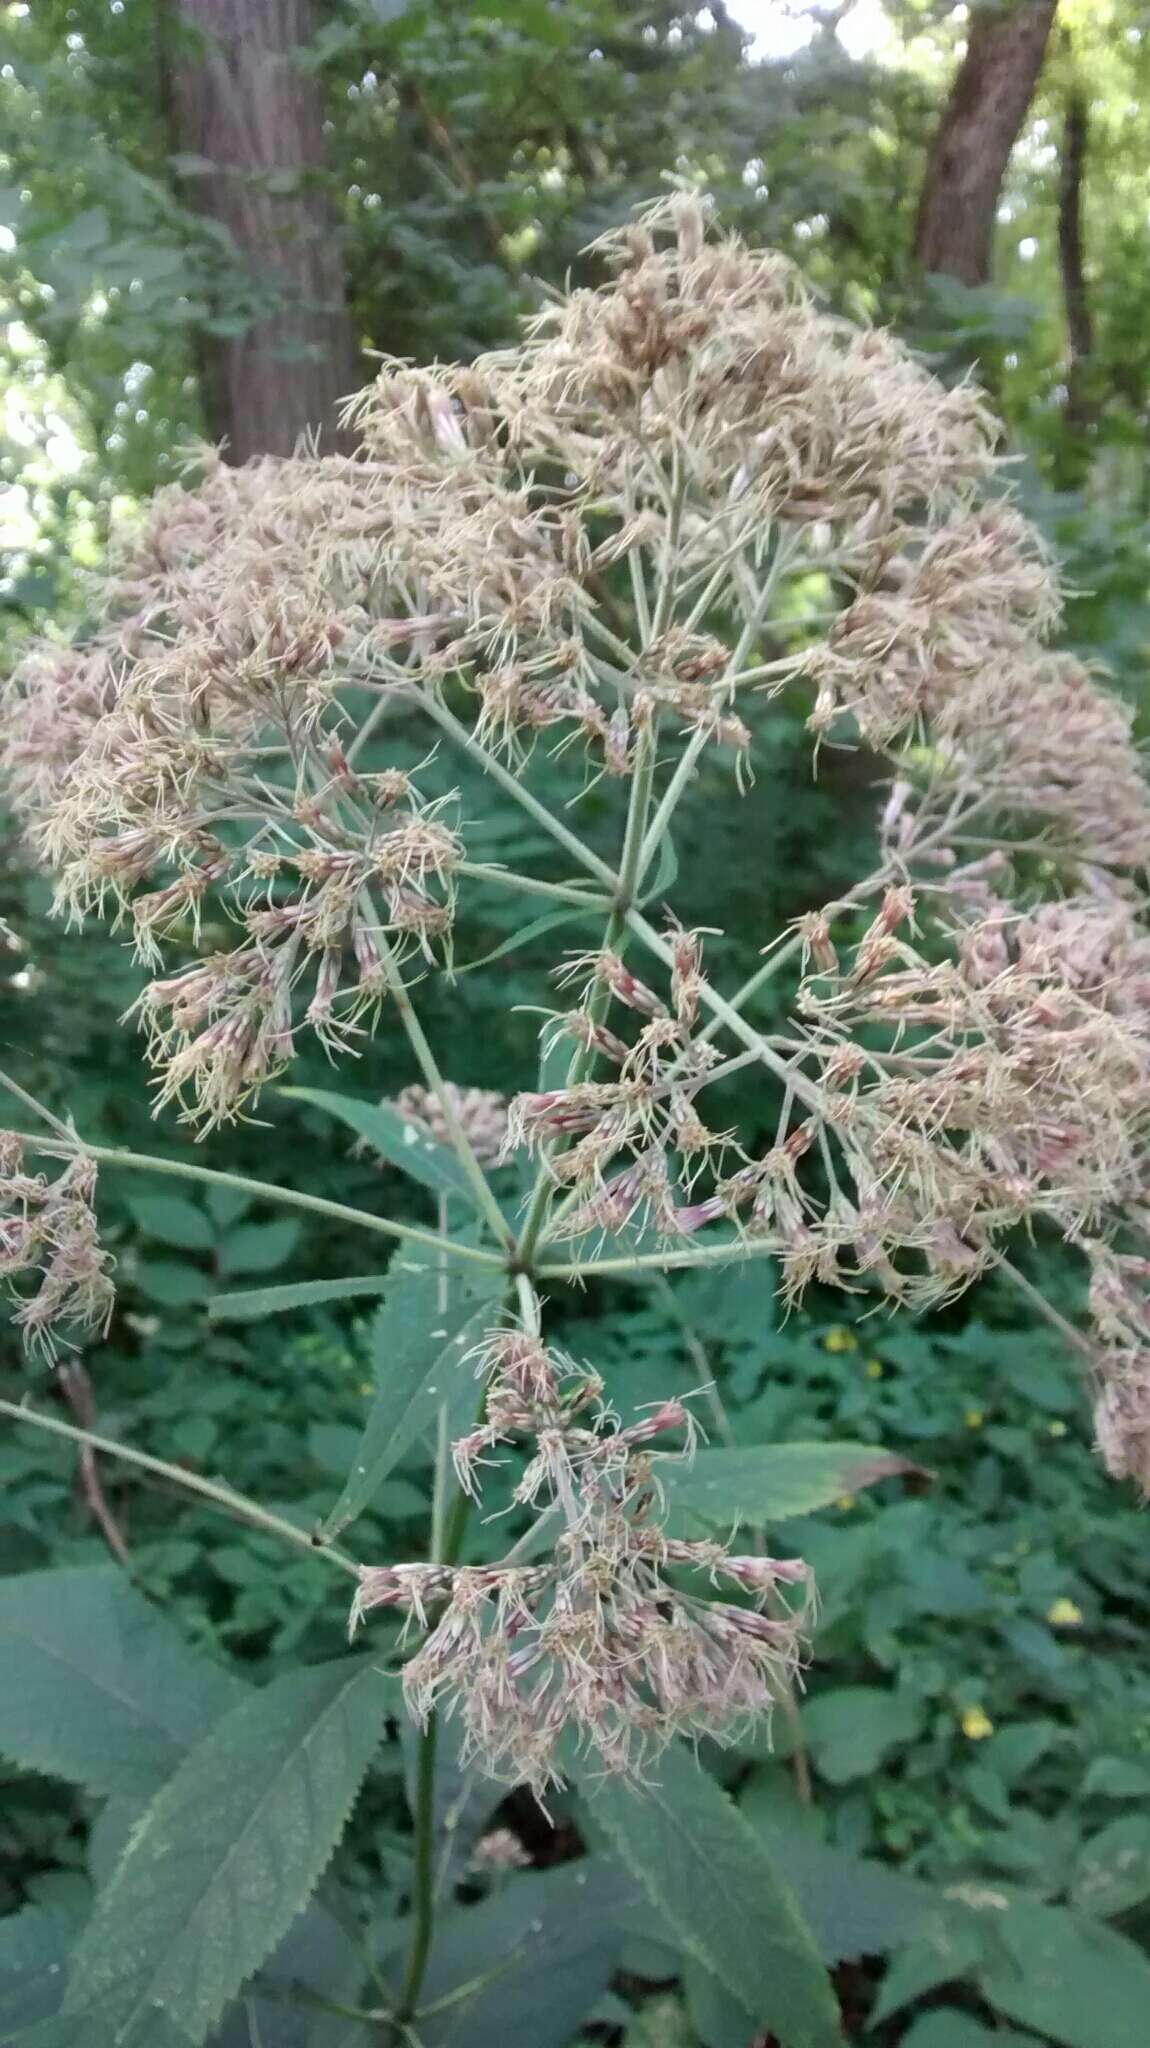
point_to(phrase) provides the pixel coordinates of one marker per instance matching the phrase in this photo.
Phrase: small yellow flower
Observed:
(974, 1418)
(365, 1387)
(976, 1724)
(840, 1340)
(874, 1368)
(1064, 1614)
(1057, 1429)
(845, 1501)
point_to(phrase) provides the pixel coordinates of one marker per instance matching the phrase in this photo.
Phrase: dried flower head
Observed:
(604, 1639)
(48, 1227)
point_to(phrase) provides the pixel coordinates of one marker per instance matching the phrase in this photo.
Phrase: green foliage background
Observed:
(977, 1722)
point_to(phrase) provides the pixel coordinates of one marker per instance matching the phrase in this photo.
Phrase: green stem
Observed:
(464, 1150)
(513, 787)
(614, 936)
(733, 1251)
(318, 1205)
(221, 1496)
(423, 1874)
(529, 885)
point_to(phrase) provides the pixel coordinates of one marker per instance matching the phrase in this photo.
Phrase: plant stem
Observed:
(733, 1251)
(423, 1874)
(529, 885)
(1076, 1339)
(107, 1155)
(514, 787)
(464, 1151)
(615, 934)
(191, 1482)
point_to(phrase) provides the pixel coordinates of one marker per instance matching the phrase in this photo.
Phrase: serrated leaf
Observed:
(719, 1890)
(256, 1302)
(99, 1688)
(539, 1953)
(259, 1247)
(228, 1853)
(418, 1345)
(172, 1220)
(769, 1482)
(399, 1140)
(1066, 1977)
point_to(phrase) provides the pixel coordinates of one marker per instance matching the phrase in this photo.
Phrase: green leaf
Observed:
(1066, 1977)
(851, 1730)
(226, 1205)
(398, 1139)
(256, 1302)
(99, 1688)
(170, 1283)
(172, 1220)
(853, 1905)
(418, 1347)
(259, 1247)
(1112, 1872)
(228, 1853)
(540, 1953)
(958, 2030)
(34, 1948)
(719, 1890)
(1111, 1777)
(537, 929)
(769, 1482)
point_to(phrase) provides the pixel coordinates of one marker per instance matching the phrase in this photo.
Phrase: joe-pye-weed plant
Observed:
(682, 494)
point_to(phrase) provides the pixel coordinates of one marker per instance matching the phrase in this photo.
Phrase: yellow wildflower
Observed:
(839, 1339)
(874, 1368)
(974, 1418)
(976, 1724)
(1064, 1614)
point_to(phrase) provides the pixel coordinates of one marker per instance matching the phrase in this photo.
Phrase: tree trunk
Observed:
(1079, 325)
(954, 232)
(241, 103)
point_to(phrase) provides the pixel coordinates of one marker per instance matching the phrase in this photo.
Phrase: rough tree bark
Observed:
(240, 102)
(954, 232)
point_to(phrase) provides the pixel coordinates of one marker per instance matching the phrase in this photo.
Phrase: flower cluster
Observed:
(682, 492)
(602, 1640)
(48, 1227)
(481, 1114)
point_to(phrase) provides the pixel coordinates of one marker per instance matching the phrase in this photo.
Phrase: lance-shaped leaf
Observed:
(256, 1302)
(718, 1889)
(769, 1482)
(398, 1139)
(227, 1853)
(99, 1688)
(428, 1324)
